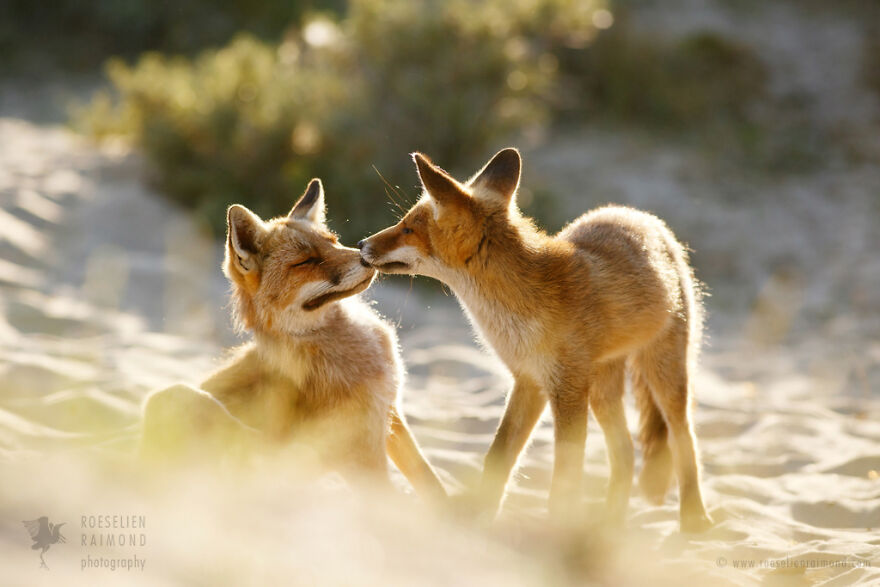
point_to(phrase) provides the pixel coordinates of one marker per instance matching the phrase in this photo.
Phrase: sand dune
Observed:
(109, 292)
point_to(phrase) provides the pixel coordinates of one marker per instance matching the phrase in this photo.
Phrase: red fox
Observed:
(323, 369)
(568, 315)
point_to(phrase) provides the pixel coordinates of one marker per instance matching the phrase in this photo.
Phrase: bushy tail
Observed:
(654, 438)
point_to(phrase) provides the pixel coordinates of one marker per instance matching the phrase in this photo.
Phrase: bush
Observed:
(78, 34)
(252, 122)
(659, 82)
(224, 128)
(871, 61)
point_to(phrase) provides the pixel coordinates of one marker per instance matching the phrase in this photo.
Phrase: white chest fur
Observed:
(514, 336)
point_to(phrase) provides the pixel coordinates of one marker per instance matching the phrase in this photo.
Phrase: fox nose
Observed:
(361, 244)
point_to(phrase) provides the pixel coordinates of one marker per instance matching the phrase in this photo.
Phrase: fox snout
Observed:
(388, 251)
(366, 250)
(360, 245)
(370, 254)
(347, 278)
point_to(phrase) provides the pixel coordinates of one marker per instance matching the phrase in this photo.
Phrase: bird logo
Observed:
(44, 534)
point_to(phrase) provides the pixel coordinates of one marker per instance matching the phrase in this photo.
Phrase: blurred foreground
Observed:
(769, 171)
(109, 292)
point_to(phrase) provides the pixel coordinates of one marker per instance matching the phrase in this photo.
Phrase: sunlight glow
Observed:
(306, 138)
(321, 33)
(517, 80)
(603, 19)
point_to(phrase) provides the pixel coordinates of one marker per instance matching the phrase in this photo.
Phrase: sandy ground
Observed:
(108, 292)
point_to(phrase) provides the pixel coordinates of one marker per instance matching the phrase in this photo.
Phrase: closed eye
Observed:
(309, 261)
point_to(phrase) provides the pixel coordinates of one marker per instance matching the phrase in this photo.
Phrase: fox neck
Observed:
(501, 292)
(300, 326)
(504, 267)
(290, 350)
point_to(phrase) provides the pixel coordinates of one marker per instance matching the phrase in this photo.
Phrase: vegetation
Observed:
(251, 122)
(79, 35)
(661, 83)
(871, 62)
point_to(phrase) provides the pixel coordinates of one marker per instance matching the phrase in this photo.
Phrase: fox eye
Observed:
(309, 261)
(407, 230)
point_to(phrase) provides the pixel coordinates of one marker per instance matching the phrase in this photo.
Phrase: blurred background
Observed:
(752, 127)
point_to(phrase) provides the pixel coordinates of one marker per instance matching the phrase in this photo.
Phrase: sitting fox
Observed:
(568, 315)
(322, 370)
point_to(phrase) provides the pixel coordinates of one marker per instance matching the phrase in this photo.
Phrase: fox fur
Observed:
(323, 370)
(569, 315)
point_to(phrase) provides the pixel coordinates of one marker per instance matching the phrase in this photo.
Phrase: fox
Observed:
(322, 370)
(570, 315)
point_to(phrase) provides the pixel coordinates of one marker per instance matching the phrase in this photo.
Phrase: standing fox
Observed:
(322, 369)
(568, 315)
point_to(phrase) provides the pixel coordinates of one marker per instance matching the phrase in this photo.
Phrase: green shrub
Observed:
(660, 82)
(252, 122)
(81, 34)
(871, 61)
(338, 97)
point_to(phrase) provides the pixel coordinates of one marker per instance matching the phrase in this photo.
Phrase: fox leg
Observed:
(181, 420)
(524, 408)
(406, 455)
(606, 401)
(358, 453)
(570, 430)
(664, 366)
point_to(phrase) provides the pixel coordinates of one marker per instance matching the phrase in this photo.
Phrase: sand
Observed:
(109, 292)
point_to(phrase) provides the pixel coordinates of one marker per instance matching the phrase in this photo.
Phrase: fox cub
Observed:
(322, 370)
(569, 315)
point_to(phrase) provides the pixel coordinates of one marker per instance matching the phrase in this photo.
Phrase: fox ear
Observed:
(311, 205)
(243, 230)
(439, 184)
(501, 174)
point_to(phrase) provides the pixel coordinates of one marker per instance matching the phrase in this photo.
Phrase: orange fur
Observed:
(567, 314)
(323, 369)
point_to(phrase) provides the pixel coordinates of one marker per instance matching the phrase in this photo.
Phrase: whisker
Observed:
(393, 190)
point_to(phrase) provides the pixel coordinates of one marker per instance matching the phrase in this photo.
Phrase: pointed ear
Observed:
(243, 230)
(311, 205)
(501, 174)
(439, 184)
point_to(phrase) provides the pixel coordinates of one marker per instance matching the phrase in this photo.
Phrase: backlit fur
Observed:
(323, 370)
(568, 314)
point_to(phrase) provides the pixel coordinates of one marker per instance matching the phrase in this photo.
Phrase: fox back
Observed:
(606, 283)
(568, 314)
